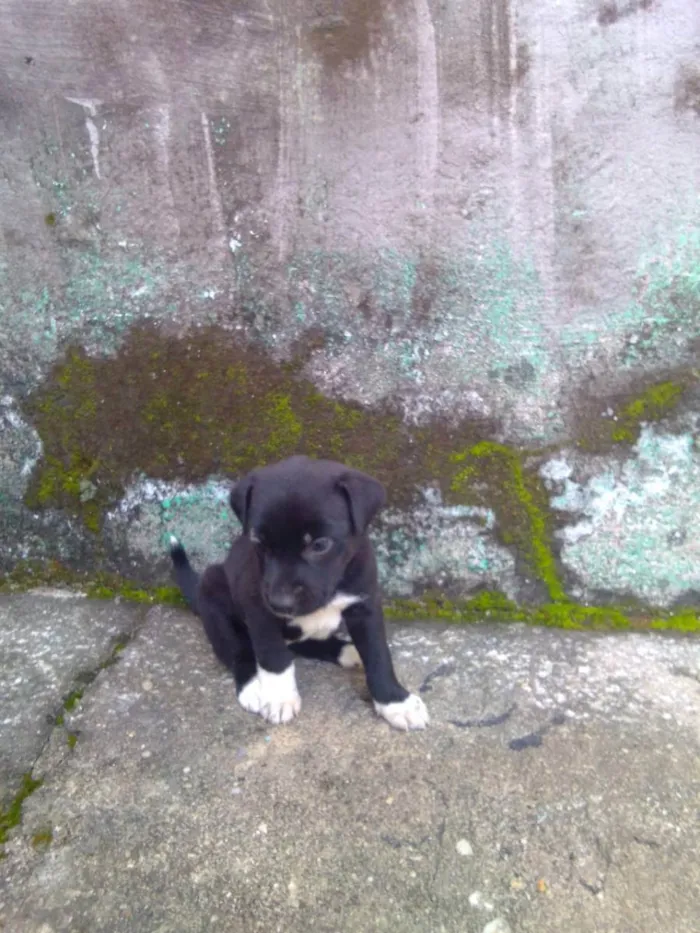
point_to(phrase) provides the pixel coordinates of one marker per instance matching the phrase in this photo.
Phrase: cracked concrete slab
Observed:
(49, 644)
(556, 788)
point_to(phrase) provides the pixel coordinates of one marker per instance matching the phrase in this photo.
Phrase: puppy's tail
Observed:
(185, 576)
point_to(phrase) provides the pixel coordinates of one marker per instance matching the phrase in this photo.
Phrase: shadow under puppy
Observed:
(303, 564)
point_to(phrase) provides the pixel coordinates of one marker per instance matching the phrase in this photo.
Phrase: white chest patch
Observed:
(321, 624)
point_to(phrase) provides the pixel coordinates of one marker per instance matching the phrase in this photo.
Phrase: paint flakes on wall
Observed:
(197, 514)
(637, 522)
(451, 547)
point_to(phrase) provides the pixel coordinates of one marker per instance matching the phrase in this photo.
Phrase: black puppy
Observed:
(303, 564)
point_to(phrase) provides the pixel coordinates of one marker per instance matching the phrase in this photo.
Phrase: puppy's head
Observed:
(304, 517)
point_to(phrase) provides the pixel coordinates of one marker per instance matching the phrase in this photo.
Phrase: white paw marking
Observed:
(273, 696)
(349, 657)
(324, 621)
(411, 713)
(173, 541)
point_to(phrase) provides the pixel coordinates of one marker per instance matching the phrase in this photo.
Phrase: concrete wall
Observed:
(454, 242)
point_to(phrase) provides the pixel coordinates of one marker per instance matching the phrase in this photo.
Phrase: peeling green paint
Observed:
(651, 497)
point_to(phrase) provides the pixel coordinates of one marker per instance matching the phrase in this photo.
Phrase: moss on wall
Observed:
(207, 404)
(188, 408)
(606, 424)
(485, 606)
(494, 476)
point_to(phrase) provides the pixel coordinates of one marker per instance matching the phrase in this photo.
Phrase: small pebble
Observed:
(145, 754)
(479, 902)
(498, 925)
(464, 847)
(147, 685)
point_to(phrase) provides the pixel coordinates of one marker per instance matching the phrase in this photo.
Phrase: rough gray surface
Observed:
(48, 644)
(556, 789)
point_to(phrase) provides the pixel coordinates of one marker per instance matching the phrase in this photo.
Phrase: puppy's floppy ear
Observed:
(365, 497)
(240, 497)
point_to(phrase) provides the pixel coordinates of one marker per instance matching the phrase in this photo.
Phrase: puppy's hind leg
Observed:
(333, 649)
(227, 634)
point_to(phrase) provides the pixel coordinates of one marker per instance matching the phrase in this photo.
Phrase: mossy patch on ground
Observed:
(485, 606)
(12, 816)
(28, 575)
(494, 607)
(42, 839)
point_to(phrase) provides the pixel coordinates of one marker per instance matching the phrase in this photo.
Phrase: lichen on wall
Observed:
(635, 522)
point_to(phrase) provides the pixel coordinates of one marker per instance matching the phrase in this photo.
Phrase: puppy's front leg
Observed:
(272, 693)
(403, 710)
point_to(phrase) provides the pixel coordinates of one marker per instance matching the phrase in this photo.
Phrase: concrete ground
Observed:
(557, 788)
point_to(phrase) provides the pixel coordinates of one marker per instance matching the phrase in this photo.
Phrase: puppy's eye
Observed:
(320, 546)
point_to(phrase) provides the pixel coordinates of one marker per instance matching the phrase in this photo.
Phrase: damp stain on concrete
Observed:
(345, 33)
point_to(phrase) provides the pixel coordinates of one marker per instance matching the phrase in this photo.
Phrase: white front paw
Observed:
(273, 696)
(280, 711)
(250, 696)
(410, 713)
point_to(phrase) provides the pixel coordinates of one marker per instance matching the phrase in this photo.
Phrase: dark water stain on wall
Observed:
(611, 11)
(345, 31)
(686, 92)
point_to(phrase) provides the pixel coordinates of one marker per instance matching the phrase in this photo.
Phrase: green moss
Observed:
(493, 476)
(42, 839)
(50, 219)
(684, 621)
(12, 816)
(72, 700)
(188, 409)
(69, 485)
(494, 607)
(71, 740)
(485, 606)
(601, 433)
(27, 575)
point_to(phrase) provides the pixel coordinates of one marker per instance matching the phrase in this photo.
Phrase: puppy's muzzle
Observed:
(286, 602)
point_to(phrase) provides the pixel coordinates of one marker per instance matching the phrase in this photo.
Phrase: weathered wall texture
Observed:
(454, 242)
